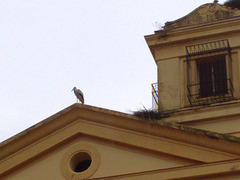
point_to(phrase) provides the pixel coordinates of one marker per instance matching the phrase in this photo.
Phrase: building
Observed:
(198, 60)
(195, 141)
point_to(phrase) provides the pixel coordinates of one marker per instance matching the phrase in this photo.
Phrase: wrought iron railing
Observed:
(209, 72)
(155, 96)
(209, 47)
(209, 93)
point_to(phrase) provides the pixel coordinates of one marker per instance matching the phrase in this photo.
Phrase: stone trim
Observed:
(68, 173)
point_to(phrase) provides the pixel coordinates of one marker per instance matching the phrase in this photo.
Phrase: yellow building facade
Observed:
(85, 142)
(199, 138)
(198, 60)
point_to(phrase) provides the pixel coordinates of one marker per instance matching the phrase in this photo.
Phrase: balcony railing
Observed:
(209, 93)
(209, 73)
(155, 96)
(209, 47)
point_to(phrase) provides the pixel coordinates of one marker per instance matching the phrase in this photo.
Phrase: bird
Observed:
(79, 94)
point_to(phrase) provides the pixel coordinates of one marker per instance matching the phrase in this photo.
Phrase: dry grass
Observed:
(150, 115)
(232, 4)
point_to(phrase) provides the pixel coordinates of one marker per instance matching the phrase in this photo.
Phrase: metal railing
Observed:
(210, 61)
(155, 96)
(209, 93)
(209, 47)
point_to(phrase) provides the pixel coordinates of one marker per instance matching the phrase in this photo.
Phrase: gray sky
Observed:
(49, 46)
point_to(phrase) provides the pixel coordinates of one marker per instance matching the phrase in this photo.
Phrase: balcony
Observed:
(155, 96)
(210, 92)
(209, 73)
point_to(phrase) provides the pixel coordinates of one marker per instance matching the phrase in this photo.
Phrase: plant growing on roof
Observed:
(232, 4)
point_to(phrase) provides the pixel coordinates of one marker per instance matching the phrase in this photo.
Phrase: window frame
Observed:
(212, 76)
(207, 51)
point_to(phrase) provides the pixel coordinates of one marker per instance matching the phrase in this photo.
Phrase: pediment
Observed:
(110, 159)
(118, 144)
(204, 14)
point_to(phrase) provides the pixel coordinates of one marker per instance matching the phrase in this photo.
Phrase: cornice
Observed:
(203, 113)
(81, 128)
(55, 122)
(221, 170)
(127, 129)
(210, 12)
(192, 32)
(103, 116)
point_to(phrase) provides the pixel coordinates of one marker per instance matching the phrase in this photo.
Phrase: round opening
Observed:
(80, 162)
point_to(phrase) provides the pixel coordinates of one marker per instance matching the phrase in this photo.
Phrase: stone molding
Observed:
(80, 147)
(204, 14)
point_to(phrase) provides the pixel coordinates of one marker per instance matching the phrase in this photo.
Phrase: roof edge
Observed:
(119, 120)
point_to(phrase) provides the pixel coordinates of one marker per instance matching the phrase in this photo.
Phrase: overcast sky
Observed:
(49, 46)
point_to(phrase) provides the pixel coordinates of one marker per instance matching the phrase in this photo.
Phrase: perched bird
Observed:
(78, 94)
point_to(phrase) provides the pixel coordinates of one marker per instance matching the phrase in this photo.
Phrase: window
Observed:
(209, 73)
(212, 76)
(80, 161)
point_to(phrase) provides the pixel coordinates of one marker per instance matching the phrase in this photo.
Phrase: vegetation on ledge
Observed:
(232, 4)
(150, 115)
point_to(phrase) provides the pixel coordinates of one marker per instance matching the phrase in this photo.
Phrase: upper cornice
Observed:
(204, 14)
(207, 20)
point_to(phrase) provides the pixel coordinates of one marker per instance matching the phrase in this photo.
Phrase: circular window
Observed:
(80, 162)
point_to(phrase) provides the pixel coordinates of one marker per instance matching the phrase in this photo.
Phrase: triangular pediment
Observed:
(110, 158)
(117, 144)
(204, 14)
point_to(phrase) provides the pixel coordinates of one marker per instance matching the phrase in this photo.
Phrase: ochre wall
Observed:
(221, 118)
(169, 52)
(169, 84)
(170, 59)
(114, 160)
